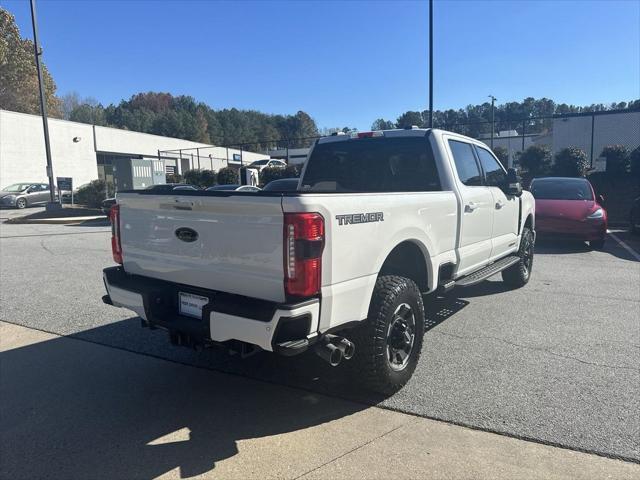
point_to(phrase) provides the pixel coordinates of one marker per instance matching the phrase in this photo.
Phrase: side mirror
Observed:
(513, 185)
(601, 200)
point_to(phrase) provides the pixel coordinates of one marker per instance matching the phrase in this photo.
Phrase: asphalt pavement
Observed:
(78, 410)
(557, 361)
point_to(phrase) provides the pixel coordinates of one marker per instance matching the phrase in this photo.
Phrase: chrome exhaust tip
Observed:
(330, 353)
(347, 347)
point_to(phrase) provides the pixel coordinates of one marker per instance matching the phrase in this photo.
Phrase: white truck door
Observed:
(506, 208)
(474, 244)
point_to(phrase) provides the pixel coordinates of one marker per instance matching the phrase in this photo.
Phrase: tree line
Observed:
(183, 117)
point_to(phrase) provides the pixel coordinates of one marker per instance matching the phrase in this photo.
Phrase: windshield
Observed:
(403, 164)
(561, 189)
(17, 187)
(259, 163)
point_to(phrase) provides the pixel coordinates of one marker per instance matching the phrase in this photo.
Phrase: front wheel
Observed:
(389, 342)
(518, 274)
(21, 203)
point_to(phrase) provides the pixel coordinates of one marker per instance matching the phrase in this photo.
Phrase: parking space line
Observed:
(633, 253)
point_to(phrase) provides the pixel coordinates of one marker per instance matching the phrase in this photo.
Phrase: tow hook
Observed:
(334, 349)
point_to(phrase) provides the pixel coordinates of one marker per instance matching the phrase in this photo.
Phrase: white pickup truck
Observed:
(340, 264)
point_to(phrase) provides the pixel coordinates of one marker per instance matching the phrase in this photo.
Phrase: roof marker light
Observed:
(377, 133)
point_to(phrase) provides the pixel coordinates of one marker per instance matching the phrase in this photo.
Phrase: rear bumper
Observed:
(225, 318)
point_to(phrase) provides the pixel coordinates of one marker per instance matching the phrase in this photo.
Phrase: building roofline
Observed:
(200, 145)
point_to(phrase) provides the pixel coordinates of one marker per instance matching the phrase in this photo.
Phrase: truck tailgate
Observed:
(236, 248)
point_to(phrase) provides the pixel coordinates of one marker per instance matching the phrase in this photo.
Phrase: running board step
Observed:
(488, 271)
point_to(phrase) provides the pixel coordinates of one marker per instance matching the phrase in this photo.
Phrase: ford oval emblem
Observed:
(186, 234)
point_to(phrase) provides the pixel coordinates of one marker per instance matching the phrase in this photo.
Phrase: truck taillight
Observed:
(116, 245)
(303, 245)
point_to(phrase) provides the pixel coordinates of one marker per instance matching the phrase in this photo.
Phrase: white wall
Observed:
(115, 140)
(22, 152)
(609, 129)
(23, 159)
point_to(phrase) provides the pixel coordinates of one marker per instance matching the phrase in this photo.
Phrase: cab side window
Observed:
(495, 176)
(466, 165)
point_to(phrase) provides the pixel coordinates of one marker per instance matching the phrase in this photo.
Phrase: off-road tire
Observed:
(21, 203)
(370, 362)
(518, 275)
(597, 244)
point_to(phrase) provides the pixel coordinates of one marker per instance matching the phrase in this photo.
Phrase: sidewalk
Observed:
(73, 409)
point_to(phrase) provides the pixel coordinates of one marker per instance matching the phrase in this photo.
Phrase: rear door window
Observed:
(465, 161)
(379, 164)
(494, 174)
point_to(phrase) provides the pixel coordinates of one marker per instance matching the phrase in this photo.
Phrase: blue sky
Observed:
(345, 63)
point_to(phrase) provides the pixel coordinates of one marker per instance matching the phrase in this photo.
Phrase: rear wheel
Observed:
(518, 275)
(389, 342)
(21, 203)
(597, 244)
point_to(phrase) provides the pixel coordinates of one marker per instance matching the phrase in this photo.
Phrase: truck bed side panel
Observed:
(355, 252)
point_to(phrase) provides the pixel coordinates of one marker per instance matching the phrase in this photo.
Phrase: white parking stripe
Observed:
(625, 246)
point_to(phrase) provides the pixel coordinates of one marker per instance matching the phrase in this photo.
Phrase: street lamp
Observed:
(430, 63)
(493, 100)
(52, 205)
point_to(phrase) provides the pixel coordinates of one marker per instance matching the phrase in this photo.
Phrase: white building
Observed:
(293, 156)
(605, 128)
(84, 152)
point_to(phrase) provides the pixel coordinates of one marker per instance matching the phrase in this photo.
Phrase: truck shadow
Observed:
(74, 410)
(71, 409)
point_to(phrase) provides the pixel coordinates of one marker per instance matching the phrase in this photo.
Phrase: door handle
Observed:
(499, 204)
(470, 207)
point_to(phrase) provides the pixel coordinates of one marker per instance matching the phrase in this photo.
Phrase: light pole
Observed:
(430, 63)
(493, 124)
(52, 205)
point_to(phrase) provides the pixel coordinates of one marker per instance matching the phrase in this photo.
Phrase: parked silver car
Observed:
(21, 195)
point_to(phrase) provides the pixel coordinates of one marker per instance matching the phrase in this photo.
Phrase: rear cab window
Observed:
(378, 164)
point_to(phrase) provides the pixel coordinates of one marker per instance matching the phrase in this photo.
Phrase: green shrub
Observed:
(92, 194)
(536, 160)
(200, 178)
(228, 176)
(503, 156)
(634, 160)
(571, 162)
(275, 173)
(617, 159)
(174, 178)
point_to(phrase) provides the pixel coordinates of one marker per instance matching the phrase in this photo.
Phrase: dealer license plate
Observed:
(191, 304)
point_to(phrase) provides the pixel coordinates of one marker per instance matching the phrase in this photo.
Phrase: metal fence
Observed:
(591, 132)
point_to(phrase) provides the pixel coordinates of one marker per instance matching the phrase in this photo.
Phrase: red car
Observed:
(567, 207)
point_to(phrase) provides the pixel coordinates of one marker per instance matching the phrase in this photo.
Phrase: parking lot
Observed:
(556, 362)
